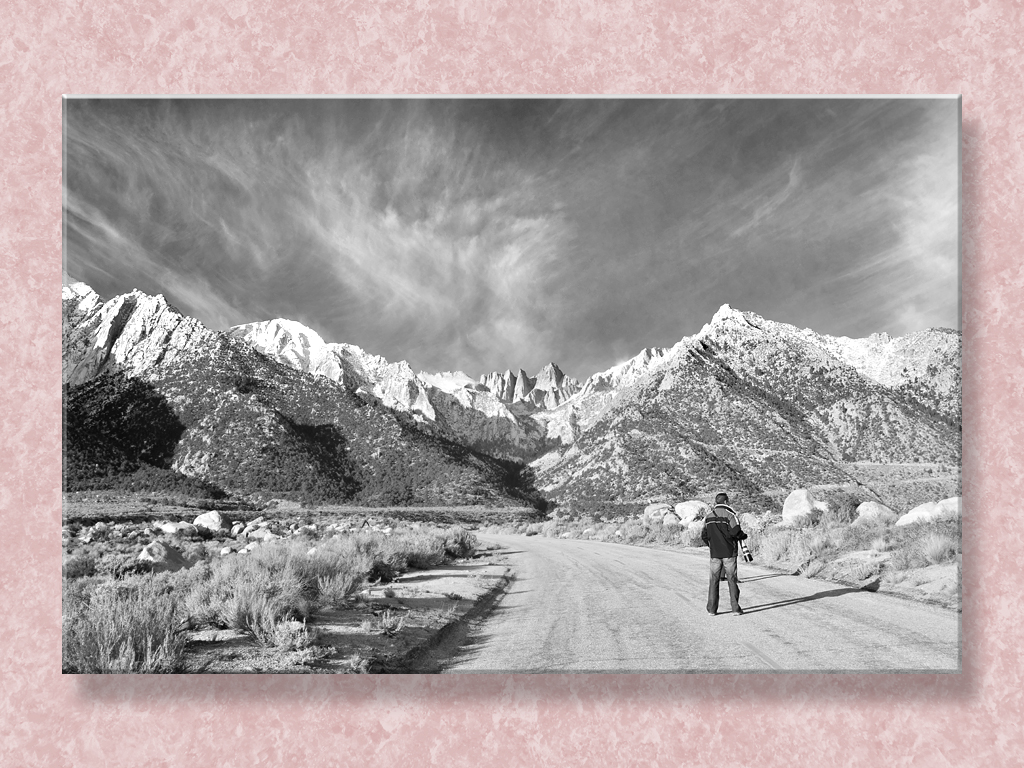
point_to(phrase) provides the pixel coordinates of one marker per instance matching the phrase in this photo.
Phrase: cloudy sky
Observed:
(485, 234)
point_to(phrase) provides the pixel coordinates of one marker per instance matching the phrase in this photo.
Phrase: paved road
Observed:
(579, 606)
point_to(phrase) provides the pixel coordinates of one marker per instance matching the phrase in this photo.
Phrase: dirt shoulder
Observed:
(409, 625)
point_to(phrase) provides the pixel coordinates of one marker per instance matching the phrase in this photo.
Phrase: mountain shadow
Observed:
(121, 434)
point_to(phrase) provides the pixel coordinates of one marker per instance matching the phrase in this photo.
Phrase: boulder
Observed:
(262, 534)
(802, 509)
(873, 512)
(254, 528)
(163, 557)
(177, 529)
(922, 513)
(932, 512)
(655, 512)
(211, 521)
(670, 520)
(951, 507)
(688, 511)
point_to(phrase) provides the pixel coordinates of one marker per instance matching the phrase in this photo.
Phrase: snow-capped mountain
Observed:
(746, 402)
(452, 403)
(155, 399)
(752, 404)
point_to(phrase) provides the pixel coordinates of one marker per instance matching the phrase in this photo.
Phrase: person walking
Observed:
(721, 532)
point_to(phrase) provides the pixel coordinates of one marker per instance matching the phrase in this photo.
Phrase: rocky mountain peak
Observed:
(128, 334)
(524, 386)
(727, 319)
(549, 377)
(288, 340)
(503, 385)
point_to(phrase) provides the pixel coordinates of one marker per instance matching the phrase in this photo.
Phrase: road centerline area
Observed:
(580, 606)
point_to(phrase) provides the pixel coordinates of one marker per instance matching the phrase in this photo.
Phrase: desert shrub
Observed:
(388, 624)
(651, 532)
(422, 551)
(459, 543)
(294, 635)
(865, 571)
(917, 546)
(850, 538)
(195, 550)
(124, 627)
(77, 566)
(880, 544)
(633, 531)
(334, 590)
(250, 592)
(902, 559)
(119, 565)
(669, 535)
(253, 611)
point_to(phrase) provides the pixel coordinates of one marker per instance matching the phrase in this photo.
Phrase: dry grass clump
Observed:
(938, 548)
(816, 546)
(388, 624)
(813, 568)
(773, 546)
(842, 509)
(336, 590)
(295, 635)
(918, 546)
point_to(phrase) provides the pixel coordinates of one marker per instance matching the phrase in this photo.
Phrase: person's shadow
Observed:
(798, 600)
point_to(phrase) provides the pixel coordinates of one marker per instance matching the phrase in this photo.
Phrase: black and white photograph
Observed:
(431, 385)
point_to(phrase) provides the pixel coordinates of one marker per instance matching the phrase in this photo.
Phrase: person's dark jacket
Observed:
(722, 531)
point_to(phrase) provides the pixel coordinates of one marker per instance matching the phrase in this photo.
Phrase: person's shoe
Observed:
(712, 613)
(738, 612)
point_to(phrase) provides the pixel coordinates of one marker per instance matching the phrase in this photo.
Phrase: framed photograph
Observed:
(544, 385)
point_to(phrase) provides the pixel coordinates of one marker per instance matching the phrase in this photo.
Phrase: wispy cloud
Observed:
(481, 235)
(765, 209)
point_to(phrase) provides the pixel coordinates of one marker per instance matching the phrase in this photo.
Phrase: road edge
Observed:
(433, 656)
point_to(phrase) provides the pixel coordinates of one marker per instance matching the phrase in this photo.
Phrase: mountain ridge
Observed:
(240, 422)
(745, 401)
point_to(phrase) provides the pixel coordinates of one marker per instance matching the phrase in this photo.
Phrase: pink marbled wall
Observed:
(617, 46)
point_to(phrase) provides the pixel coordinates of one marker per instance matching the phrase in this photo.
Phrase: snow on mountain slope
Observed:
(457, 406)
(152, 396)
